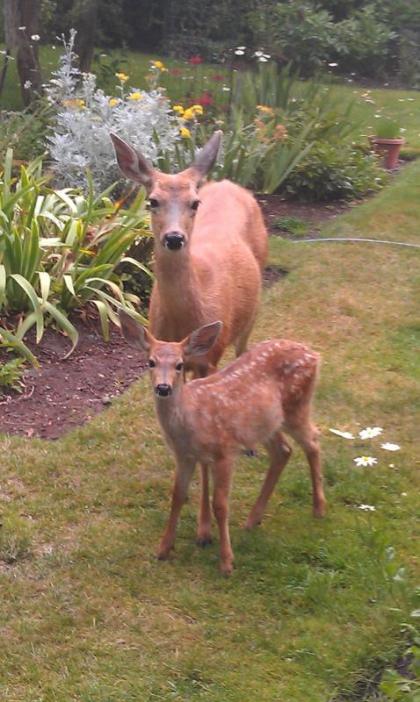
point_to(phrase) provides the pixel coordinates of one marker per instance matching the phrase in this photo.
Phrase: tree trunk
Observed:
(85, 13)
(21, 23)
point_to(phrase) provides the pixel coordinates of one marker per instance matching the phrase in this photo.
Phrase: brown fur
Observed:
(217, 273)
(210, 420)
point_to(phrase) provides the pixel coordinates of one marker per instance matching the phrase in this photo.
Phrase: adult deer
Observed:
(210, 248)
(211, 419)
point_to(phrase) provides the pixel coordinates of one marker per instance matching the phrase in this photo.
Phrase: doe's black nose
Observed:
(163, 390)
(174, 240)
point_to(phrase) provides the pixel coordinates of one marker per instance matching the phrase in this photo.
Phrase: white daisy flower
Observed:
(333, 64)
(362, 461)
(262, 59)
(367, 508)
(35, 37)
(239, 52)
(343, 434)
(390, 447)
(370, 432)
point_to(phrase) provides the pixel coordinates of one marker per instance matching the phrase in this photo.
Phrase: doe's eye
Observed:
(153, 203)
(179, 366)
(194, 205)
(152, 363)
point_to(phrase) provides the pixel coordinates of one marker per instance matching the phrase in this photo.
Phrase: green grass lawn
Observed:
(313, 607)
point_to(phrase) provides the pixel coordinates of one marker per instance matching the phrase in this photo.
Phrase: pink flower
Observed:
(195, 60)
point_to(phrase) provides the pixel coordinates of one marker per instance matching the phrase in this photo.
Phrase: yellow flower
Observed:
(178, 109)
(158, 65)
(185, 133)
(135, 96)
(264, 108)
(113, 102)
(198, 109)
(74, 102)
(189, 114)
(123, 77)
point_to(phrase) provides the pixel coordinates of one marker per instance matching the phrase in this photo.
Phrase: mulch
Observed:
(65, 393)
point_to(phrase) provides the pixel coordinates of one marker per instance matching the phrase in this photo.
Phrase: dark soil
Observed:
(64, 393)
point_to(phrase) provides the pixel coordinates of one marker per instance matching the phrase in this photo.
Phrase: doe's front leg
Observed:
(183, 474)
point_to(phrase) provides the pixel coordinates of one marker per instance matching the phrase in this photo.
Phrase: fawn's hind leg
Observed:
(279, 452)
(306, 434)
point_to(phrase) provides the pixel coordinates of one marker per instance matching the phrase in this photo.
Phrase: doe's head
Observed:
(173, 199)
(167, 358)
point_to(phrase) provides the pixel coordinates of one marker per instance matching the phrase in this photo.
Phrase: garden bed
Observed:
(65, 393)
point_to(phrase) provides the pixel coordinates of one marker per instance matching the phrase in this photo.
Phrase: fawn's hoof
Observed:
(319, 511)
(250, 453)
(163, 553)
(204, 540)
(252, 522)
(226, 568)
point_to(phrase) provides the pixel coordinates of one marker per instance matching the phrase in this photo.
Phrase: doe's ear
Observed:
(131, 162)
(206, 157)
(200, 341)
(135, 333)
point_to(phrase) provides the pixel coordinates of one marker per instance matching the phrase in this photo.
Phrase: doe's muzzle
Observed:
(174, 240)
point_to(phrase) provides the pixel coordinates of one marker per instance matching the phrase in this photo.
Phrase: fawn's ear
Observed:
(135, 333)
(200, 341)
(206, 157)
(132, 164)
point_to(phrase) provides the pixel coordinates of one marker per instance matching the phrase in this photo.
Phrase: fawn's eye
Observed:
(194, 205)
(179, 366)
(152, 363)
(153, 203)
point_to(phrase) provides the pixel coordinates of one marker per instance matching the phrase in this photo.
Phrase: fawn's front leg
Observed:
(222, 478)
(183, 473)
(204, 517)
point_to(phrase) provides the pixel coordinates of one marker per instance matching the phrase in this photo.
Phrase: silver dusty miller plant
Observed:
(85, 115)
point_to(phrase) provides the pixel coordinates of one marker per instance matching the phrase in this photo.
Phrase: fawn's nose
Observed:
(163, 390)
(174, 240)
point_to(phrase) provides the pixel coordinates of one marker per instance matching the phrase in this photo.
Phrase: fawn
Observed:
(210, 420)
(210, 249)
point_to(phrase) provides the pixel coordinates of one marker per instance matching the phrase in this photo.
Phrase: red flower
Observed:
(205, 99)
(195, 60)
(218, 76)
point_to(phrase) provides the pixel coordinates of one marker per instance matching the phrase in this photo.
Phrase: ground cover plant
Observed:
(86, 611)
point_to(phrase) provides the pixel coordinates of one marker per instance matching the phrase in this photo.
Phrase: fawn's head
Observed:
(173, 199)
(167, 358)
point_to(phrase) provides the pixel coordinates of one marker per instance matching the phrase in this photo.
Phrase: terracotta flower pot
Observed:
(389, 149)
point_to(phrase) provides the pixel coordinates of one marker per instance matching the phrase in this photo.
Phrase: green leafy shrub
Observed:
(333, 172)
(291, 225)
(25, 132)
(10, 375)
(59, 250)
